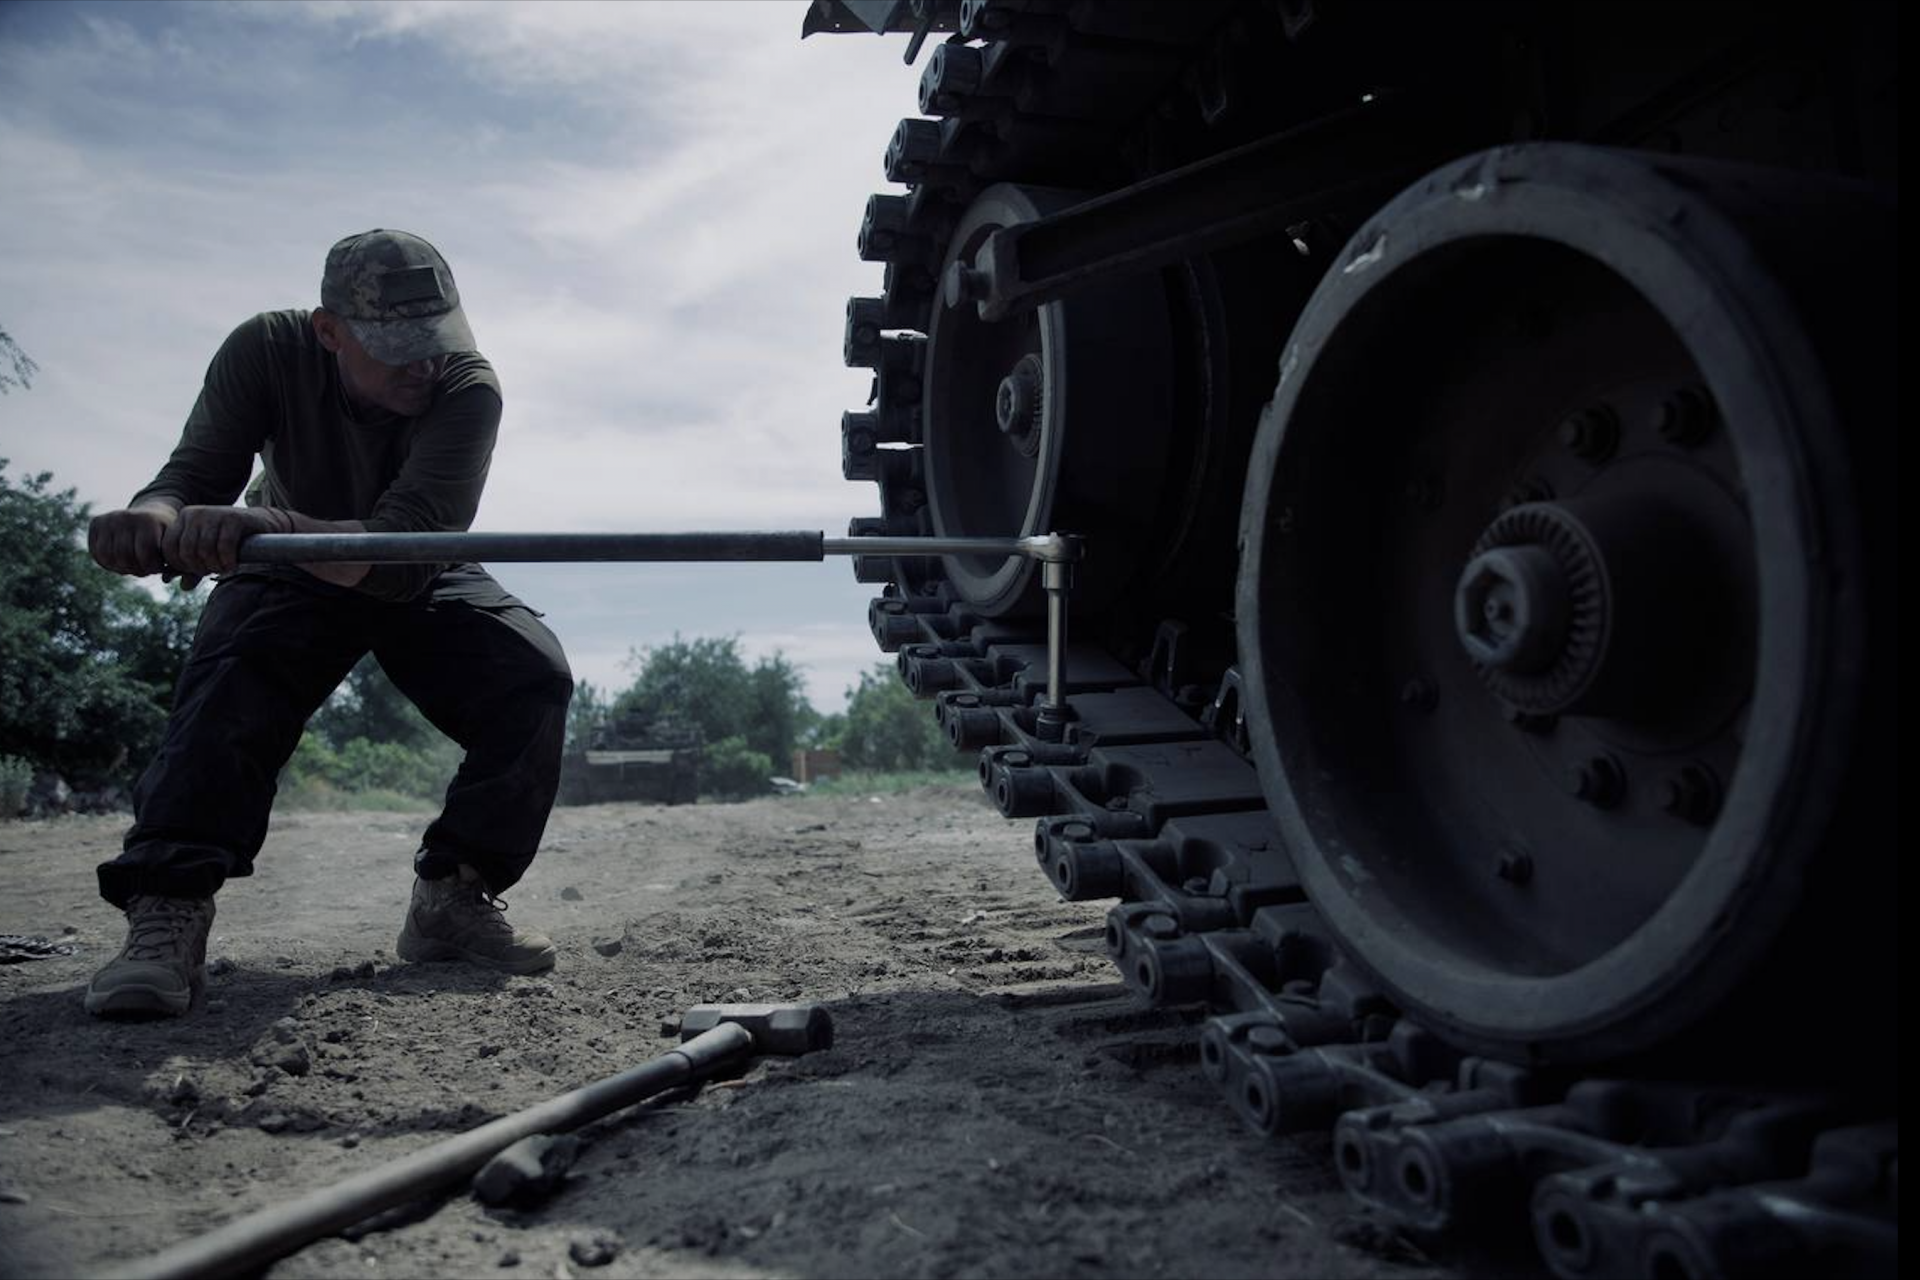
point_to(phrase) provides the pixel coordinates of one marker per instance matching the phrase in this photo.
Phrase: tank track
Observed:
(1146, 803)
(1150, 798)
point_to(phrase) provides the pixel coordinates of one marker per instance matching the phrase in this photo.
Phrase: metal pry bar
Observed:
(1056, 552)
(454, 548)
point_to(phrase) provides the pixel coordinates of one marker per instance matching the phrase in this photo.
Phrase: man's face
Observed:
(405, 389)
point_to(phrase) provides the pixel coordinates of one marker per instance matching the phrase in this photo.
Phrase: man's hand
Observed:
(204, 540)
(131, 541)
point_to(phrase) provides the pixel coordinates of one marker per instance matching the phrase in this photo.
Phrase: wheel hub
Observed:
(1531, 608)
(1018, 406)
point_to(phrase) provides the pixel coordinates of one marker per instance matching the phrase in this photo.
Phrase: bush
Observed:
(732, 770)
(889, 730)
(317, 772)
(16, 777)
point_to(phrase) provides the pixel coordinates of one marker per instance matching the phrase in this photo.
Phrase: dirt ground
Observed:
(994, 1104)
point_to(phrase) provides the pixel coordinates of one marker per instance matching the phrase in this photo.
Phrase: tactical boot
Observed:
(455, 918)
(163, 964)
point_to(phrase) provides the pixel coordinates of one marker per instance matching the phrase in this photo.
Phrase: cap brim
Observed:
(404, 341)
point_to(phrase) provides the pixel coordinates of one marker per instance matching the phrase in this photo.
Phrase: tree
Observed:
(705, 689)
(780, 709)
(701, 693)
(22, 365)
(586, 716)
(888, 728)
(88, 660)
(369, 705)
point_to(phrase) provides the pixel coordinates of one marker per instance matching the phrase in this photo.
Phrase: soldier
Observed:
(373, 413)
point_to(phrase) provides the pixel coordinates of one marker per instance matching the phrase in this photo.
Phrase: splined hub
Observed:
(1018, 406)
(1531, 608)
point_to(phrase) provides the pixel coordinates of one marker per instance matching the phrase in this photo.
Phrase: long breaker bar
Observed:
(1056, 552)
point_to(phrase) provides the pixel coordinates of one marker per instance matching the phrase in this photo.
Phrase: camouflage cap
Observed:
(397, 294)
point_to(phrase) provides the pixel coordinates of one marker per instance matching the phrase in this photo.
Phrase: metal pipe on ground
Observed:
(717, 1036)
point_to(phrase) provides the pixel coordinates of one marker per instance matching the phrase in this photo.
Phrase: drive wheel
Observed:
(1553, 605)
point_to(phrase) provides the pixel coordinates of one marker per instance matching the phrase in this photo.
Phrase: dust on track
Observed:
(994, 1104)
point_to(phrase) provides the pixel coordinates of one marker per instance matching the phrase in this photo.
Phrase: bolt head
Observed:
(1598, 780)
(1268, 1040)
(1515, 867)
(1592, 434)
(1684, 418)
(1691, 794)
(1419, 694)
(1160, 926)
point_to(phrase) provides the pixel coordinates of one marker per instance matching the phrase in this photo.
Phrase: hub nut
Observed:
(1511, 608)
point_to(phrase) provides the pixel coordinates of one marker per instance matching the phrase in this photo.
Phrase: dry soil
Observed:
(995, 1103)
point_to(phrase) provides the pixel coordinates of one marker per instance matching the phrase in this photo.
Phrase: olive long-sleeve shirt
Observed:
(274, 392)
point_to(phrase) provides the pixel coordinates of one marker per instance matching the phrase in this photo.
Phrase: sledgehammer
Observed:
(712, 1036)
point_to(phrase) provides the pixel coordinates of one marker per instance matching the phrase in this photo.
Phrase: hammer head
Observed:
(786, 1029)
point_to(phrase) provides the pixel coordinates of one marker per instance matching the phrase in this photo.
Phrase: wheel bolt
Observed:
(1691, 794)
(1598, 780)
(1592, 434)
(1422, 490)
(1530, 721)
(1684, 418)
(1532, 489)
(1160, 926)
(1076, 831)
(1515, 867)
(1268, 1040)
(1419, 695)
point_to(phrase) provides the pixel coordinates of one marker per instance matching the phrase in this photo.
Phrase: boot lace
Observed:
(159, 927)
(474, 904)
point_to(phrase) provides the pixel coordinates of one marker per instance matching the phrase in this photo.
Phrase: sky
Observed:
(650, 209)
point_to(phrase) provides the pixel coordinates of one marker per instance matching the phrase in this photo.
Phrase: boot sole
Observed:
(425, 950)
(139, 1002)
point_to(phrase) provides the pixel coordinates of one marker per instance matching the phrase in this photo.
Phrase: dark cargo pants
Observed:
(477, 662)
